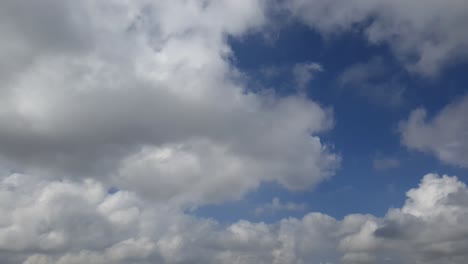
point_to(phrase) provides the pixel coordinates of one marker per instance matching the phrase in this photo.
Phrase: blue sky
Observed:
(365, 128)
(234, 132)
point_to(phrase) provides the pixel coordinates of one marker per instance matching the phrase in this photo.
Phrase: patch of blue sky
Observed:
(364, 130)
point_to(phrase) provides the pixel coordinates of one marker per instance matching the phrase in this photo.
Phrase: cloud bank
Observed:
(127, 96)
(80, 222)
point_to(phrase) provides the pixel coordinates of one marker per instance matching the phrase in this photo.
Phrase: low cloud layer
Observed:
(45, 222)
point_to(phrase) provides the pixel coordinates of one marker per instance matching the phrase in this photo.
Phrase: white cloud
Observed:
(126, 94)
(424, 36)
(130, 93)
(51, 222)
(443, 135)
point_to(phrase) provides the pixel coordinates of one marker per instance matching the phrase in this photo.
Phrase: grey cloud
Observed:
(443, 135)
(140, 83)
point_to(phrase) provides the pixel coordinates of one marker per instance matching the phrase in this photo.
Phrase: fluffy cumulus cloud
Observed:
(424, 36)
(51, 222)
(118, 116)
(126, 94)
(131, 94)
(443, 135)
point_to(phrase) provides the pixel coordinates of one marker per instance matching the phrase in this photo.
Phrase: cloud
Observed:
(79, 221)
(423, 36)
(303, 73)
(277, 206)
(119, 115)
(385, 163)
(287, 77)
(374, 81)
(422, 231)
(443, 135)
(128, 93)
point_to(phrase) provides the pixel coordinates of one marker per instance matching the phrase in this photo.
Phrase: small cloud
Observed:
(270, 71)
(303, 73)
(375, 81)
(381, 164)
(276, 206)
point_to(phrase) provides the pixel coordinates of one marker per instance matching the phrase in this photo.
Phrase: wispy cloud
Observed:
(277, 206)
(374, 80)
(303, 73)
(381, 164)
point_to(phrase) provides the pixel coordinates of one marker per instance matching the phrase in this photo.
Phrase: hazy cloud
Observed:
(374, 81)
(277, 206)
(385, 163)
(303, 73)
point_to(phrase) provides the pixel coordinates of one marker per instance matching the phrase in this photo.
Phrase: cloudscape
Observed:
(233, 131)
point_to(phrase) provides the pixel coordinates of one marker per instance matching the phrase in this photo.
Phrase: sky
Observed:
(233, 131)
